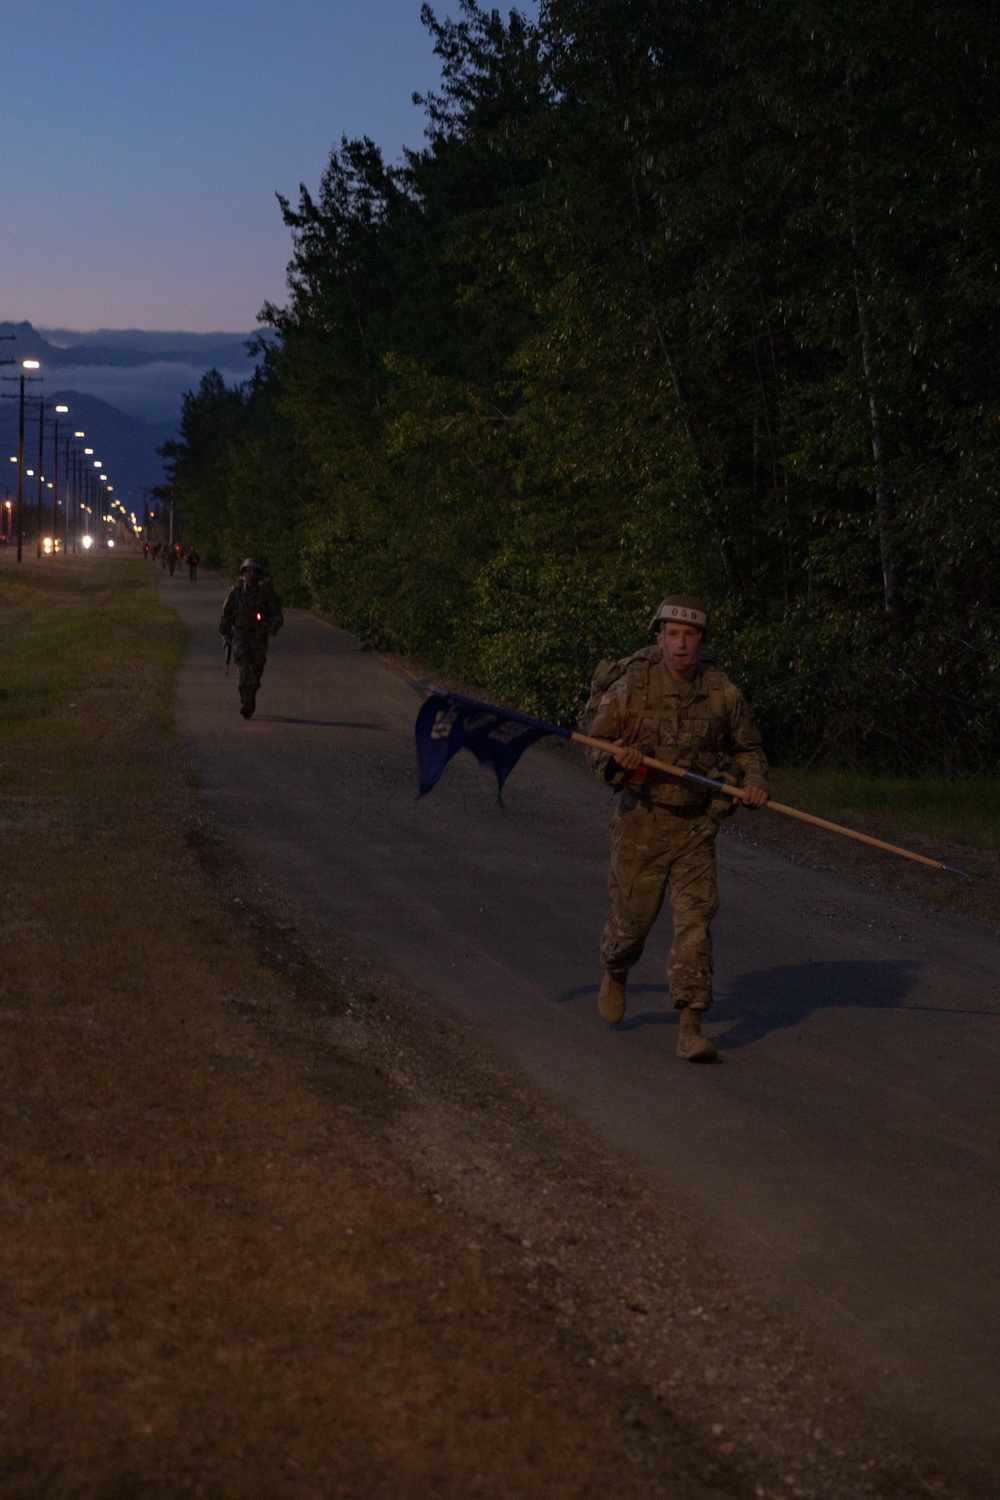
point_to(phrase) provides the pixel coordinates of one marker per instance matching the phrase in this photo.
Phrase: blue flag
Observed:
(498, 737)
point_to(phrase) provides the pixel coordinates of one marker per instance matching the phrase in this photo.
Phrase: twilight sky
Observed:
(144, 141)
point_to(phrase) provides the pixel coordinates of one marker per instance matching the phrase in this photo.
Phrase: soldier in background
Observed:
(192, 561)
(667, 702)
(250, 616)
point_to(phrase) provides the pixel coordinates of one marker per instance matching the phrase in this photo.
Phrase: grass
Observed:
(955, 812)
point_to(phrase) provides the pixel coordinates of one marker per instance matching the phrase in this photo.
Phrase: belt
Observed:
(630, 800)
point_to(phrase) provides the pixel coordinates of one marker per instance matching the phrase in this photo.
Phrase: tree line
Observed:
(697, 296)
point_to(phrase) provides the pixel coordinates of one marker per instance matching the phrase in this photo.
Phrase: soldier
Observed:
(192, 561)
(250, 616)
(668, 702)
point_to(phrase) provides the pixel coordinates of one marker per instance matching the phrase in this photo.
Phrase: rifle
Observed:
(229, 655)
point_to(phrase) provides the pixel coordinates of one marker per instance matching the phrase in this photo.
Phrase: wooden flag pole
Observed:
(779, 807)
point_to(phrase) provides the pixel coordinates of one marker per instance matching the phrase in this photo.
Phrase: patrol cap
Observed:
(683, 609)
(251, 565)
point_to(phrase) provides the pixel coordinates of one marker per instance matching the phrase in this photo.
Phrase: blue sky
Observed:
(144, 141)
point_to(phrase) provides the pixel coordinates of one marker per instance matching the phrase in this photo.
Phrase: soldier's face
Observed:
(679, 644)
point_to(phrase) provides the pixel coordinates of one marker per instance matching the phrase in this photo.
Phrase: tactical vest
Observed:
(253, 611)
(694, 734)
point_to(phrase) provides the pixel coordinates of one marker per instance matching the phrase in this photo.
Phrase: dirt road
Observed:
(845, 1151)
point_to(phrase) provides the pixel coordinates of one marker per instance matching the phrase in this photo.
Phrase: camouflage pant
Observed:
(249, 654)
(653, 849)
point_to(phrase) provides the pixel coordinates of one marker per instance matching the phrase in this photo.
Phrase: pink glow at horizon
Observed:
(144, 147)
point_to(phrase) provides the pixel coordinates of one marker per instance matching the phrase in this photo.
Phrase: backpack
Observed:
(610, 673)
(607, 676)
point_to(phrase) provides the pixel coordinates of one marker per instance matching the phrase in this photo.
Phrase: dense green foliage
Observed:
(698, 295)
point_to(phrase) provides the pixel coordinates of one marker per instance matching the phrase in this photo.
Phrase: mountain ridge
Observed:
(129, 444)
(228, 350)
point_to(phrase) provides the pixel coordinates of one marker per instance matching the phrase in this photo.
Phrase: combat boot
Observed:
(611, 997)
(691, 1045)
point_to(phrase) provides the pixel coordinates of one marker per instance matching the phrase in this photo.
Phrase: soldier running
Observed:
(665, 701)
(250, 616)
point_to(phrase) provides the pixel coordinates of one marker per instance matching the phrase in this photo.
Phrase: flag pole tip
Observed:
(952, 871)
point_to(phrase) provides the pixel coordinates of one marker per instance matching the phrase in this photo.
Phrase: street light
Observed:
(69, 492)
(59, 411)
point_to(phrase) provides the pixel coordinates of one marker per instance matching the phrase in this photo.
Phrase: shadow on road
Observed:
(768, 1000)
(317, 723)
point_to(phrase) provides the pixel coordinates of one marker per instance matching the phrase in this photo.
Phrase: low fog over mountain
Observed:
(124, 388)
(144, 373)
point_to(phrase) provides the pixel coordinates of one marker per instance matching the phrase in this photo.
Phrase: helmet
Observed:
(251, 565)
(683, 609)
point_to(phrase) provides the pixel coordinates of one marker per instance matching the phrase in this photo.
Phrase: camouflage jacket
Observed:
(251, 609)
(705, 727)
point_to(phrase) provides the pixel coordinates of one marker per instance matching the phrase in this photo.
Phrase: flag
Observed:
(498, 737)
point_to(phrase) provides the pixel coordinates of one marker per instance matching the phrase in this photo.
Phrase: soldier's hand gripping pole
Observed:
(738, 795)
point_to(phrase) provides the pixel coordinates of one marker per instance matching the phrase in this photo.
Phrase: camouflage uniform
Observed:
(251, 613)
(663, 830)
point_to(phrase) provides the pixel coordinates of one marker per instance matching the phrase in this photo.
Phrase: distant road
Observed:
(847, 1148)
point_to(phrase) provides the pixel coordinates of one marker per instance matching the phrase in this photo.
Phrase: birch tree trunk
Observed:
(883, 491)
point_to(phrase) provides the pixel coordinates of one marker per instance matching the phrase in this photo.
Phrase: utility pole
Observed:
(9, 338)
(55, 474)
(66, 499)
(41, 436)
(76, 494)
(20, 474)
(26, 364)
